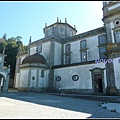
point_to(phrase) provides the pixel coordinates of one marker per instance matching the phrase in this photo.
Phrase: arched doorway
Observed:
(2, 80)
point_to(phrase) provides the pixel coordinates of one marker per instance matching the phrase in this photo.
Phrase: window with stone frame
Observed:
(83, 44)
(67, 48)
(102, 39)
(68, 54)
(117, 36)
(40, 48)
(83, 56)
(68, 59)
(83, 49)
(102, 46)
(102, 50)
(42, 73)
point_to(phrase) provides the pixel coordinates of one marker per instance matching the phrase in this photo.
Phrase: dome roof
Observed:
(35, 58)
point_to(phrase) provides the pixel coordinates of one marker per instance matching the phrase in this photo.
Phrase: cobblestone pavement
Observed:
(29, 105)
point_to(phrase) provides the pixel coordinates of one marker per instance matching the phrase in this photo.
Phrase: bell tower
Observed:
(111, 19)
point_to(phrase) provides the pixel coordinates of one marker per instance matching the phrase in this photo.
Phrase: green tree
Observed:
(12, 47)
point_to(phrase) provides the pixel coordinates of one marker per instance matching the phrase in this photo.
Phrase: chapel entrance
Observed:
(98, 86)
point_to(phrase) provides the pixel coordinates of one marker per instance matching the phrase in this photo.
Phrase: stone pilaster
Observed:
(50, 87)
(37, 79)
(108, 32)
(29, 79)
(62, 54)
(111, 88)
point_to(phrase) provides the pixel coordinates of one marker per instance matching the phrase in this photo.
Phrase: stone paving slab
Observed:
(112, 106)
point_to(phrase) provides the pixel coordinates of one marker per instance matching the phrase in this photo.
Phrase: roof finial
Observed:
(65, 20)
(30, 40)
(37, 49)
(75, 26)
(57, 19)
(45, 25)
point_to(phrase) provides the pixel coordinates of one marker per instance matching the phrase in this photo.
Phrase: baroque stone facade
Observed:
(64, 60)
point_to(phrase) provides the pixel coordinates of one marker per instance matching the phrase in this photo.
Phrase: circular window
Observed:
(58, 78)
(61, 29)
(33, 78)
(117, 22)
(75, 77)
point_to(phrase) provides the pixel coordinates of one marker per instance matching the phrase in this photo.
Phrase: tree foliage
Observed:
(12, 47)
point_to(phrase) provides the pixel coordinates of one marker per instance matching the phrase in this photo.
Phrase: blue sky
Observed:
(28, 18)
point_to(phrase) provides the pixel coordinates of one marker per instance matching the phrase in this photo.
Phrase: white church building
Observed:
(85, 63)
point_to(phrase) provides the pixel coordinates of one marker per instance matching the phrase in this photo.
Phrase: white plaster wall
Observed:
(57, 55)
(17, 76)
(68, 31)
(46, 50)
(42, 81)
(23, 78)
(17, 80)
(117, 72)
(32, 50)
(47, 77)
(33, 82)
(93, 50)
(114, 6)
(85, 78)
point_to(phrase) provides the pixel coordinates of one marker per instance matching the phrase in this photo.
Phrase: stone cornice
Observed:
(110, 4)
(29, 65)
(46, 39)
(111, 13)
(85, 34)
(73, 64)
(60, 23)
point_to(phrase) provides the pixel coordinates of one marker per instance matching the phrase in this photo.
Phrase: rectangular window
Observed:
(42, 73)
(102, 39)
(102, 50)
(40, 48)
(117, 36)
(83, 56)
(83, 44)
(67, 48)
(67, 59)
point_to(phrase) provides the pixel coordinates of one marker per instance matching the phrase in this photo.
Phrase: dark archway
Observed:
(2, 81)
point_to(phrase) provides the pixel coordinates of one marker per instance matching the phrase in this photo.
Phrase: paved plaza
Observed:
(29, 105)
